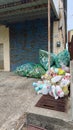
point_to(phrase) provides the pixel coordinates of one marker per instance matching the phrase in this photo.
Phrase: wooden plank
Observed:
(49, 33)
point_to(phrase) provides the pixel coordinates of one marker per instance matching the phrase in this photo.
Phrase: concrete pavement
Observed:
(17, 106)
(16, 93)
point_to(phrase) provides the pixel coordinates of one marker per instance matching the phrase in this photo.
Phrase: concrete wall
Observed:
(25, 41)
(4, 38)
(57, 36)
(70, 33)
(56, 4)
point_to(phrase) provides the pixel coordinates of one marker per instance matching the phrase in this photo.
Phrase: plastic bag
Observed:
(24, 69)
(43, 57)
(37, 71)
(30, 70)
(62, 58)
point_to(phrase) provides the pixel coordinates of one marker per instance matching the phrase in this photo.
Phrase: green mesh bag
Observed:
(62, 57)
(30, 70)
(24, 69)
(37, 71)
(43, 57)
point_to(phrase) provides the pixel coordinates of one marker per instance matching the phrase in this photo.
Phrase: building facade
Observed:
(24, 30)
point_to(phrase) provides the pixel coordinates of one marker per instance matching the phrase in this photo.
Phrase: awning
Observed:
(16, 11)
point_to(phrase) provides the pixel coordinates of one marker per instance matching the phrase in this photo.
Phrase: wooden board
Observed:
(48, 102)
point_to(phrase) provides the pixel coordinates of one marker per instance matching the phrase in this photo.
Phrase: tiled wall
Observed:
(25, 41)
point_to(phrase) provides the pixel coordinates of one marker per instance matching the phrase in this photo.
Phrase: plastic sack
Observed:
(62, 58)
(30, 70)
(24, 69)
(43, 57)
(37, 71)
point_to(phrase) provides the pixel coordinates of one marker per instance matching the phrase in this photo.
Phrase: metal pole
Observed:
(49, 34)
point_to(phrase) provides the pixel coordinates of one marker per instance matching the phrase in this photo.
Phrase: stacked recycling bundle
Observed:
(56, 81)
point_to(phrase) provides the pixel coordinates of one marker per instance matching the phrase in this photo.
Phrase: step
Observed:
(48, 123)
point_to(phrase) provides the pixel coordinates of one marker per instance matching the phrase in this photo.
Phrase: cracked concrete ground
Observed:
(16, 93)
